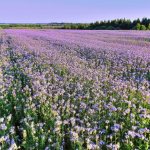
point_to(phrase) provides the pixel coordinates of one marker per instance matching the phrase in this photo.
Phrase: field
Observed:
(74, 90)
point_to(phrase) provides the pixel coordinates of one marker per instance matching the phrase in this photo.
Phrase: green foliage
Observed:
(148, 28)
(138, 26)
(110, 28)
(143, 27)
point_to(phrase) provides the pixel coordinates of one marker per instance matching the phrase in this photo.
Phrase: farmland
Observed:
(74, 89)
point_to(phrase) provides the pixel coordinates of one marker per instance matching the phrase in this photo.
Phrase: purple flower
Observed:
(102, 142)
(3, 126)
(116, 127)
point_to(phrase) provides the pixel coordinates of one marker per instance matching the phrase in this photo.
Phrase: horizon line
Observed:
(63, 22)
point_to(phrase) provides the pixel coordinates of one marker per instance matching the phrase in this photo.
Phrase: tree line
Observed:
(116, 24)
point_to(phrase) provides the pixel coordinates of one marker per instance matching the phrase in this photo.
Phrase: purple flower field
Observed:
(74, 90)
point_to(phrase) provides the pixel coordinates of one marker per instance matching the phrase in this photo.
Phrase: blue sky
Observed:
(43, 11)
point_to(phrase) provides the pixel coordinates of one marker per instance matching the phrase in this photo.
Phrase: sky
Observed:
(84, 11)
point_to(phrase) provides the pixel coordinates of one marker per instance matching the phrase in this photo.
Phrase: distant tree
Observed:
(138, 26)
(73, 26)
(143, 27)
(97, 23)
(110, 28)
(145, 21)
(81, 26)
(148, 28)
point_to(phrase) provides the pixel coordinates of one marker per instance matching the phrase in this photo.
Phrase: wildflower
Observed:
(74, 136)
(58, 123)
(132, 134)
(95, 107)
(107, 121)
(57, 129)
(12, 130)
(2, 139)
(65, 122)
(13, 145)
(72, 120)
(92, 146)
(47, 148)
(102, 142)
(41, 125)
(24, 134)
(83, 105)
(1, 120)
(141, 136)
(144, 130)
(7, 139)
(132, 116)
(134, 127)
(3, 126)
(49, 140)
(144, 116)
(9, 117)
(113, 146)
(110, 136)
(127, 136)
(102, 131)
(116, 127)
(113, 108)
(127, 111)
